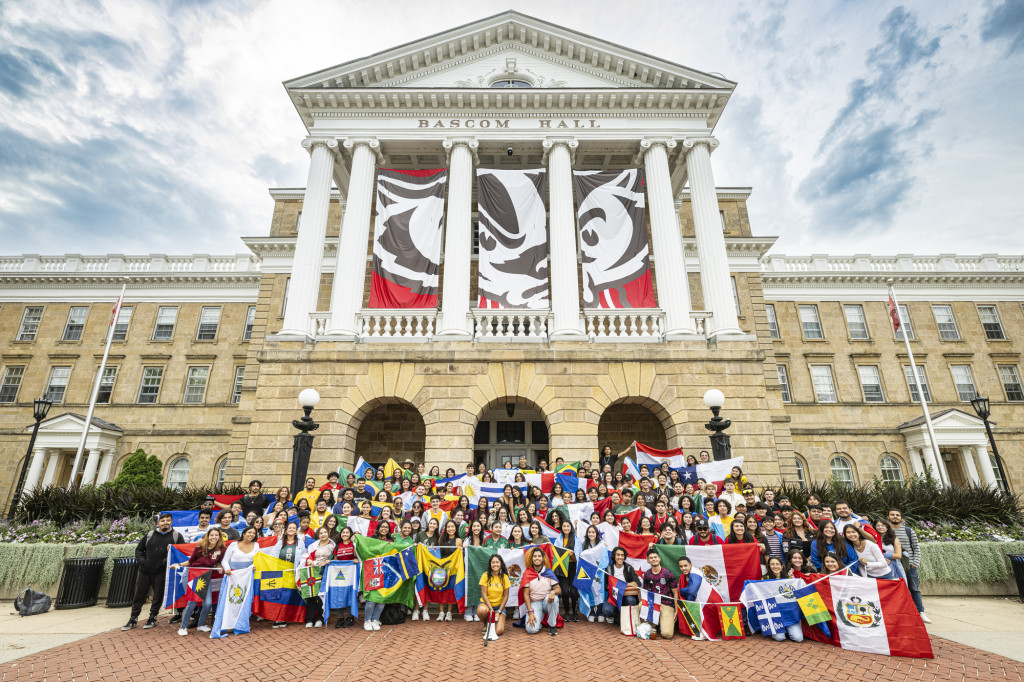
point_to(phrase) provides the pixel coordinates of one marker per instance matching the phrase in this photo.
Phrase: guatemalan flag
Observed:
(235, 604)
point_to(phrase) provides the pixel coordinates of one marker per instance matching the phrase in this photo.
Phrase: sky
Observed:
(862, 127)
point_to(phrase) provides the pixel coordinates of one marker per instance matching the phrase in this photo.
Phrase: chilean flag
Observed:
(645, 454)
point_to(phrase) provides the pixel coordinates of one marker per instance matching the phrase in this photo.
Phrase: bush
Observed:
(142, 470)
(919, 500)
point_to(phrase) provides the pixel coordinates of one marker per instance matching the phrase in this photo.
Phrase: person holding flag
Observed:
(621, 583)
(320, 554)
(494, 589)
(151, 556)
(540, 593)
(661, 581)
(207, 555)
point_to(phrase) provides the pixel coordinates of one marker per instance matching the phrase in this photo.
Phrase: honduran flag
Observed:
(652, 457)
(874, 616)
(724, 567)
(441, 581)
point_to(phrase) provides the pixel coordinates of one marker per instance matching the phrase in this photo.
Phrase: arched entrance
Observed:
(507, 429)
(394, 430)
(625, 422)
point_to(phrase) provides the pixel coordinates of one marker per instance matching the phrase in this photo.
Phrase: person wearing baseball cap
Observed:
(704, 535)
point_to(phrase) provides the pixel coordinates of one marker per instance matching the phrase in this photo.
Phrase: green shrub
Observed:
(142, 470)
(967, 562)
(94, 504)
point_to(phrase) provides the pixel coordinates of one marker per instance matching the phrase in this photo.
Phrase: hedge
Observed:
(967, 562)
(39, 565)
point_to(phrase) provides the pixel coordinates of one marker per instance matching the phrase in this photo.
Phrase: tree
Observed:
(140, 469)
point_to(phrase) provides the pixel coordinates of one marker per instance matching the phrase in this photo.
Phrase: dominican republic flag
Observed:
(724, 567)
(771, 604)
(874, 616)
(701, 617)
(613, 239)
(407, 238)
(650, 606)
(513, 259)
(652, 457)
(712, 472)
(339, 587)
(235, 605)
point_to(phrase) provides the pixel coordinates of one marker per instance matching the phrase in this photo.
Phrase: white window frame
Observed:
(162, 315)
(904, 323)
(891, 469)
(1011, 382)
(922, 374)
(250, 322)
(735, 295)
(221, 473)
(870, 396)
(196, 381)
(124, 319)
(783, 372)
(209, 323)
(13, 376)
(154, 375)
(841, 463)
(177, 475)
(773, 321)
(956, 384)
(74, 328)
(236, 387)
(284, 301)
(30, 323)
(801, 471)
(862, 334)
(58, 381)
(948, 331)
(832, 384)
(994, 327)
(810, 307)
(108, 379)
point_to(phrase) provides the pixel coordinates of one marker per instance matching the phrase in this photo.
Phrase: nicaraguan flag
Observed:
(235, 604)
(339, 587)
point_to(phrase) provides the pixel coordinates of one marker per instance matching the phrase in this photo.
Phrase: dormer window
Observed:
(510, 83)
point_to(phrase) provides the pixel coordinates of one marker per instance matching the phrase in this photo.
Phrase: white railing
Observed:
(504, 325)
(640, 324)
(700, 321)
(910, 264)
(377, 325)
(319, 323)
(113, 264)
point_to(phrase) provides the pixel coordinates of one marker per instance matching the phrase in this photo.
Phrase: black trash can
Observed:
(121, 592)
(80, 583)
(1017, 562)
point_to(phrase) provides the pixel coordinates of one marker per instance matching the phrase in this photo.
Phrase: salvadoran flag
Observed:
(235, 604)
(652, 457)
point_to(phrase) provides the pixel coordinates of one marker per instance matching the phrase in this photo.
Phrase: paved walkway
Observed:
(580, 651)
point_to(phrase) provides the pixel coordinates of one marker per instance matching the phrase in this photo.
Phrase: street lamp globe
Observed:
(714, 398)
(309, 398)
(40, 409)
(981, 406)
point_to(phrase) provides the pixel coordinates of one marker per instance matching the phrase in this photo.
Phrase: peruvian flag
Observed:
(875, 616)
(645, 454)
(894, 312)
(634, 519)
(636, 545)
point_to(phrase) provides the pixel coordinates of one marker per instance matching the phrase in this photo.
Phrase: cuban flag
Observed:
(235, 605)
(550, 532)
(652, 457)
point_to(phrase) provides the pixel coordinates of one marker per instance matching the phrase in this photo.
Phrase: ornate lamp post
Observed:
(720, 448)
(303, 445)
(981, 406)
(39, 411)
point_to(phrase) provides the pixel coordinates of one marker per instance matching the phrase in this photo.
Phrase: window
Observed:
(222, 470)
(511, 432)
(784, 383)
(824, 386)
(946, 323)
(905, 324)
(841, 470)
(990, 321)
(870, 383)
(892, 470)
(195, 385)
(855, 321)
(76, 323)
(208, 322)
(1011, 382)
(106, 384)
(30, 323)
(58, 384)
(476, 236)
(150, 388)
(11, 383)
(284, 301)
(482, 434)
(165, 319)
(236, 389)
(964, 381)
(177, 473)
(721, 218)
(510, 83)
(997, 472)
(810, 321)
(124, 316)
(773, 322)
(250, 320)
(923, 378)
(539, 433)
(735, 294)
(801, 471)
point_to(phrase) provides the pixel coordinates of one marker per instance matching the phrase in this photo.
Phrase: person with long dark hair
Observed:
(494, 589)
(829, 541)
(738, 534)
(208, 553)
(570, 595)
(871, 562)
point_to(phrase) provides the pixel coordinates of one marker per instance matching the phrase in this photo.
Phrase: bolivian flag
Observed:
(441, 581)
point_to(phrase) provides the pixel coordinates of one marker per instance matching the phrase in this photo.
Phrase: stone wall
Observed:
(392, 430)
(624, 423)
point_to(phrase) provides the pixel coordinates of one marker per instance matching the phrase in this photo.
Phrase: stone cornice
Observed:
(835, 272)
(74, 270)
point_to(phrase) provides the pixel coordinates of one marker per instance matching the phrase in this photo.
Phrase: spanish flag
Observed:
(441, 581)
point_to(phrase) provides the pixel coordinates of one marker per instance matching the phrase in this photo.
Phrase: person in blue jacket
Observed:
(688, 586)
(828, 540)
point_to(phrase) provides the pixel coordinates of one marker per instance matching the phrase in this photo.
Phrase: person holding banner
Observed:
(208, 554)
(661, 581)
(319, 554)
(540, 593)
(687, 588)
(494, 589)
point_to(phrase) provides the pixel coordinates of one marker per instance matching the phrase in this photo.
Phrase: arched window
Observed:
(222, 469)
(999, 476)
(801, 471)
(510, 83)
(841, 469)
(177, 473)
(892, 470)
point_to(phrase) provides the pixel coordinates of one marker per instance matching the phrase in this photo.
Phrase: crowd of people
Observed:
(415, 505)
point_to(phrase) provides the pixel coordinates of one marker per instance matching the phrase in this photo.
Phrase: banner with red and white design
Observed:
(407, 238)
(613, 239)
(645, 454)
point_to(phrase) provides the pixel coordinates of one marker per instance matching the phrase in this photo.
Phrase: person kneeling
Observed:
(540, 594)
(494, 586)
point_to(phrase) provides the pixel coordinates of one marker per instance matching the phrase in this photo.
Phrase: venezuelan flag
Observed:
(275, 596)
(441, 581)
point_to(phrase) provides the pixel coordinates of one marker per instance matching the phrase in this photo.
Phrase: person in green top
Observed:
(627, 503)
(496, 540)
(517, 539)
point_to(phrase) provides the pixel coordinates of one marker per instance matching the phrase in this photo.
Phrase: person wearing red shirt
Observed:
(704, 535)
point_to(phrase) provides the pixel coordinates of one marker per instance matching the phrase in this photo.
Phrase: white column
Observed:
(108, 461)
(931, 462)
(967, 455)
(458, 237)
(988, 473)
(89, 475)
(667, 235)
(304, 287)
(35, 470)
(53, 456)
(915, 461)
(714, 262)
(565, 288)
(347, 293)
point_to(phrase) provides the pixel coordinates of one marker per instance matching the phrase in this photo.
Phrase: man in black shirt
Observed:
(151, 555)
(361, 493)
(254, 501)
(646, 497)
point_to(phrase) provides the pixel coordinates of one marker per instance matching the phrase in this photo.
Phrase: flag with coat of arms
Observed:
(235, 605)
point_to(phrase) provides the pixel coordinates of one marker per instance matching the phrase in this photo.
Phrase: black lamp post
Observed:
(981, 406)
(303, 445)
(39, 410)
(720, 448)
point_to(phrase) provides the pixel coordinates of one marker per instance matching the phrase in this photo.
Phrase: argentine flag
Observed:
(235, 604)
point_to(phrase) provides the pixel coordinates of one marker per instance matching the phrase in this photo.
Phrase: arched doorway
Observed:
(394, 430)
(507, 429)
(625, 422)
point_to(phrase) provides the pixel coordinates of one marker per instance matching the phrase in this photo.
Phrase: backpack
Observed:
(30, 602)
(393, 614)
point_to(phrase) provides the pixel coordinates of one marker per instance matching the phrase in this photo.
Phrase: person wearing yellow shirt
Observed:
(494, 588)
(310, 493)
(319, 515)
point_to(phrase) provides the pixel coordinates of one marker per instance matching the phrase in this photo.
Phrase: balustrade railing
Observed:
(640, 324)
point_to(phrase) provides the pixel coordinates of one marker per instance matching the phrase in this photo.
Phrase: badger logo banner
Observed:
(613, 239)
(513, 258)
(407, 238)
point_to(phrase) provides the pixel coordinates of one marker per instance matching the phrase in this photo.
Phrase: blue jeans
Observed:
(795, 632)
(611, 611)
(913, 584)
(373, 611)
(540, 609)
(203, 613)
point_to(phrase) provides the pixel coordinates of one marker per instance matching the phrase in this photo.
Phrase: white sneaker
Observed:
(476, 618)
(415, 614)
(600, 619)
(697, 638)
(426, 616)
(204, 628)
(318, 624)
(182, 632)
(925, 618)
(590, 619)
(448, 616)
(468, 617)
(367, 625)
(376, 625)
(309, 625)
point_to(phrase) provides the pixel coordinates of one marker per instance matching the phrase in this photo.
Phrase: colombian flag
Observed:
(441, 581)
(275, 596)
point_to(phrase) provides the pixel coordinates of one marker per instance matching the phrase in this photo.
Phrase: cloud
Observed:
(1005, 21)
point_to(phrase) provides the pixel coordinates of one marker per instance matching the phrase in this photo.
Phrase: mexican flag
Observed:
(876, 616)
(724, 567)
(477, 559)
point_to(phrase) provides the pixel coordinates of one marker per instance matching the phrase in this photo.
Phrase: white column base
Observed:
(568, 335)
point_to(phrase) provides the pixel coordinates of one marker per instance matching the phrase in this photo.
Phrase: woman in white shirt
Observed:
(319, 554)
(240, 554)
(872, 562)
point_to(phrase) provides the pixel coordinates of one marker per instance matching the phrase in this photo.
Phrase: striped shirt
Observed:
(908, 540)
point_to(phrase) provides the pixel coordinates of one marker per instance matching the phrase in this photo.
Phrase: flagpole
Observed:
(96, 385)
(920, 392)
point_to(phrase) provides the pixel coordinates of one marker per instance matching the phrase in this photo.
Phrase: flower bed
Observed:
(107, 531)
(966, 532)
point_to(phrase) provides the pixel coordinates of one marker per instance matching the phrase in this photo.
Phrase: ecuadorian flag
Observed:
(441, 581)
(275, 596)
